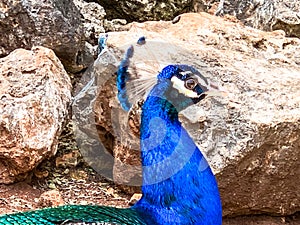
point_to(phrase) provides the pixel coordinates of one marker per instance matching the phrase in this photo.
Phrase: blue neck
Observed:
(178, 184)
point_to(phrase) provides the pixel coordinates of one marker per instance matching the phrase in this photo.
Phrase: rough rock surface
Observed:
(251, 138)
(95, 22)
(93, 16)
(137, 10)
(51, 23)
(94, 139)
(277, 15)
(34, 96)
(267, 15)
(50, 198)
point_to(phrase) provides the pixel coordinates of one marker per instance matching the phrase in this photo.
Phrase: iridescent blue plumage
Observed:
(178, 185)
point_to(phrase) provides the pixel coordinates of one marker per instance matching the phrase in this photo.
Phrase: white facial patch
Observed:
(179, 85)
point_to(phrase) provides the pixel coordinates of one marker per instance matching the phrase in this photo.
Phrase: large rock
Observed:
(251, 138)
(54, 24)
(34, 97)
(267, 15)
(277, 15)
(93, 18)
(137, 10)
(95, 22)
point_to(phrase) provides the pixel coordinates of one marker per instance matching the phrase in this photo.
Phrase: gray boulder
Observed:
(92, 19)
(54, 24)
(267, 15)
(133, 10)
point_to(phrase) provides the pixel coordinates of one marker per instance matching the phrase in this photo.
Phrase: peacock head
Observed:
(186, 85)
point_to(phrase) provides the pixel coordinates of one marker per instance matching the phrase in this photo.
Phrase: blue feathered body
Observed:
(178, 185)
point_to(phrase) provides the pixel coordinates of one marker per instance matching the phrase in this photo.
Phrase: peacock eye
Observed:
(190, 83)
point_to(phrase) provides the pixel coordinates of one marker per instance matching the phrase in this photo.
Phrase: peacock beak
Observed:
(215, 90)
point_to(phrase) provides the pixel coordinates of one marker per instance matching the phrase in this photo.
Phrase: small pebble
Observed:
(176, 19)
(134, 198)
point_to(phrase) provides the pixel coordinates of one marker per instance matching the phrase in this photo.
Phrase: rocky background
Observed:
(251, 138)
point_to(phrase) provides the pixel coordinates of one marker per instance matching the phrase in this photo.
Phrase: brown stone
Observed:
(34, 98)
(50, 198)
(68, 159)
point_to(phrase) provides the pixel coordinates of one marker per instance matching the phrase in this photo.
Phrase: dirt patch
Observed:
(18, 197)
(263, 220)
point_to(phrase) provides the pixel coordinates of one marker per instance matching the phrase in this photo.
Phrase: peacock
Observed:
(178, 184)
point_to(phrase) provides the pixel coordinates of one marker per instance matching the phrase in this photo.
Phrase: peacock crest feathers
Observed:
(143, 60)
